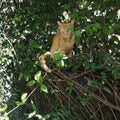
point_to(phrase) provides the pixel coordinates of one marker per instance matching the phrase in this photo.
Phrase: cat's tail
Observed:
(43, 62)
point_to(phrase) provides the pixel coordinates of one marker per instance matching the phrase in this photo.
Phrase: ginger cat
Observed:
(63, 43)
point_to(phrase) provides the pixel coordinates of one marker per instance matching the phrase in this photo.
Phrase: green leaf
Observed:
(77, 33)
(3, 108)
(97, 25)
(94, 29)
(111, 30)
(64, 57)
(39, 117)
(38, 77)
(93, 66)
(47, 53)
(31, 115)
(33, 106)
(31, 83)
(4, 117)
(87, 65)
(20, 76)
(57, 56)
(77, 37)
(26, 76)
(60, 63)
(116, 72)
(18, 103)
(24, 97)
(44, 88)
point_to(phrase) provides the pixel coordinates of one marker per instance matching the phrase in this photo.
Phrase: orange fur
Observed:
(63, 43)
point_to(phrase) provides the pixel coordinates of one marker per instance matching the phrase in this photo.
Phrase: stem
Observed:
(21, 103)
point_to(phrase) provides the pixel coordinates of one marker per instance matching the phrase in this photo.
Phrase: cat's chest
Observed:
(66, 45)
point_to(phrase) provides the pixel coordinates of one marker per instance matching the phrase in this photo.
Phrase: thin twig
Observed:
(22, 104)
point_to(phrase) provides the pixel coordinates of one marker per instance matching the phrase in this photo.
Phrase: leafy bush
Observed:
(85, 86)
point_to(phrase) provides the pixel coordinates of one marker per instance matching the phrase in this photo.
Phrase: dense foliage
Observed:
(89, 80)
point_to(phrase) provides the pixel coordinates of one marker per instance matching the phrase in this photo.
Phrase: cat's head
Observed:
(66, 28)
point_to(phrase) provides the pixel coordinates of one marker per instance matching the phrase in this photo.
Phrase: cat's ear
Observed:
(59, 23)
(72, 22)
